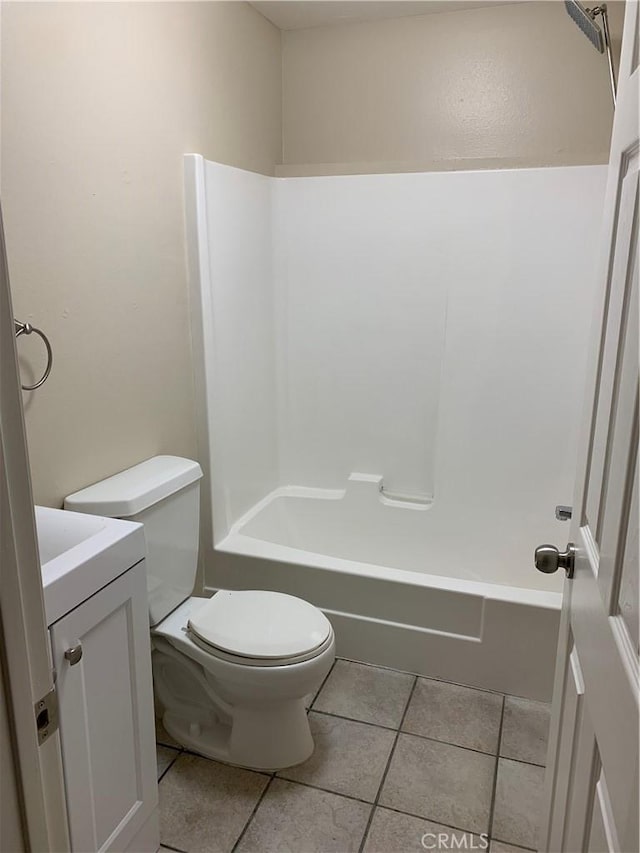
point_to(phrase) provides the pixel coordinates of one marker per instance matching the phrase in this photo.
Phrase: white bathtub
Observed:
(382, 569)
(414, 325)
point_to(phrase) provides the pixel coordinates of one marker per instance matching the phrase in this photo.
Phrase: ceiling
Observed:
(298, 14)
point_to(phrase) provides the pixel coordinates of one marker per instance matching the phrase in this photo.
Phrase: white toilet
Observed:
(232, 672)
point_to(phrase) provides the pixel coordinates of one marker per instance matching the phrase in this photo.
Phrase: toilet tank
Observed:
(162, 493)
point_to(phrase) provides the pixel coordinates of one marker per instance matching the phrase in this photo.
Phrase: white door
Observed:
(591, 796)
(23, 629)
(106, 718)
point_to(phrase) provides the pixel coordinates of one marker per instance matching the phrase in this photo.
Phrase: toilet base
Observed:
(262, 739)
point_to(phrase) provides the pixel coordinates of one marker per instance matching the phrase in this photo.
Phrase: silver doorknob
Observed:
(548, 559)
(73, 654)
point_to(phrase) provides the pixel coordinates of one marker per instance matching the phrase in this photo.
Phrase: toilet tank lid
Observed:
(131, 491)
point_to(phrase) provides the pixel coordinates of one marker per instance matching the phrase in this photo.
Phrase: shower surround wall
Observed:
(362, 325)
(239, 407)
(417, 333)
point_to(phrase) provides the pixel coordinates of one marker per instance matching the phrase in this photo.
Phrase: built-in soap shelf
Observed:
(416, 501)
(386, 496)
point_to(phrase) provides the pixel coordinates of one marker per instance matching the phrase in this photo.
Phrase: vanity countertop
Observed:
(80, 554)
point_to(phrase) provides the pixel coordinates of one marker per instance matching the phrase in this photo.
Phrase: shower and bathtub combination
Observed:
(386, 375)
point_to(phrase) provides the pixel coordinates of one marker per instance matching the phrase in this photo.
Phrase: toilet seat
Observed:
(260, 628)
(240, 660)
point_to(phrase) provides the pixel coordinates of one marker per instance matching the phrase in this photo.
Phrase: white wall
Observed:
(100, 102)
(430, 328)
(514, 85)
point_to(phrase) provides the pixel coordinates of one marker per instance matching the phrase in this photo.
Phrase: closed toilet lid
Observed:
(260, 624)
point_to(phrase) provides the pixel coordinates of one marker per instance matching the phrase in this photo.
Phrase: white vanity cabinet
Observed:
(101, 654)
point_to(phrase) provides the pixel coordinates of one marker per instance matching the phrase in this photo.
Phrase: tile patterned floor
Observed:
(398, 759)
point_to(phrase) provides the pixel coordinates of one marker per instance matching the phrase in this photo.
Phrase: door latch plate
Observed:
(46, 714)
(563, 513)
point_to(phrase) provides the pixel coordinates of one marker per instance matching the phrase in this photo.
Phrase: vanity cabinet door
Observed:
(102, 657)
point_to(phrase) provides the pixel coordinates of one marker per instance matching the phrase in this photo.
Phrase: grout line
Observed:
(442, 680)
(177, 749)
(325, 790)
(255, 809)
(495, 773)
(169, 847)
(324, 681)
(447, 681)
(388, 765)
(422, 737)
(187, 751)
(439, 822)
(521, 761)
(168, 767)
(457, 745)
(374, 804)
(355, 720)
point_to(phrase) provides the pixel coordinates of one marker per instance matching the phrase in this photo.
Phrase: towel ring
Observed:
(27, 329)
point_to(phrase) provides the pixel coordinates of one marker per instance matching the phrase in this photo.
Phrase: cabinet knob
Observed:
(73, 654)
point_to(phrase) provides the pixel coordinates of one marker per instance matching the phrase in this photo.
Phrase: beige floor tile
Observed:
(525, 730)
(204, 806)
(518, 805)
(164, 757)
(295, 819)
(501, 847)
(392, 832)
(349, 758)
(440, 782)
(454, 714)
(365, 693)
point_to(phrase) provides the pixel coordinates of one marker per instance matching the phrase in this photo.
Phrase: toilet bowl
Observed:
(232, 673)
(242, 709)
